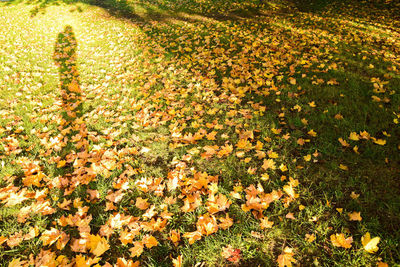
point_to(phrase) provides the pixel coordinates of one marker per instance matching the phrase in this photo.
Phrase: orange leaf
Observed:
(192, 236)
(338, 240)
(50, 236)
(142, 203)
(61, 163)
(175, 237)
(97, 245)
(127, 237)
(225, 222)
(343, 142)
(231, 254)
(121, 262)
(137, 250)
(265, 223)
(16, 263)
(211, 136)
(268, 164)
(150, 241)
(286, 258)
(355, 216)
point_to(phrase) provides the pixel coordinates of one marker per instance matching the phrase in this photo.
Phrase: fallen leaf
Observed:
(370, 245)
(355, 216)
(339, 240)
(265, 223)
(97, 245)
(149, 241)
(137, 249)
(286, 258)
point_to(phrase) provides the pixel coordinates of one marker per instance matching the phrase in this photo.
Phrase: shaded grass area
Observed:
(192, 46)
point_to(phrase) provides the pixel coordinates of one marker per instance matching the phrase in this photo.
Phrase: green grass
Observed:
(153, 75)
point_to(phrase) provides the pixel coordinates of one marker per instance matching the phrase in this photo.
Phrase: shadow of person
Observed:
(65, 59)
(75, 152)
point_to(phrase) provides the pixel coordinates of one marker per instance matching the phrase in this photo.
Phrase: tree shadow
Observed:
(157, 10)
(40, 6)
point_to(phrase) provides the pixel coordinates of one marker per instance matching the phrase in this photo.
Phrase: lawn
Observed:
(199, 133)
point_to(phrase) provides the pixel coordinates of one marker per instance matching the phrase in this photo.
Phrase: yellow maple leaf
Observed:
(304, 121)
(290, 191)
(259, 145)
(142, 203)
(338, 116)
(16, 263)
(244, 144)
(81, 261)
(225, 150)
(150, 241)
(355, 216)
(62, 241)
(312, 133)
(50, 236)
(365, 135)
(122, 262)
(61, 163)
(275, 131)
(265, 177)
(380, 142)
(353, 195)
(268, 164)
(354, 136)
(310, 238)
(370, 245)
(301, 141)
(265, 223)
(74, 87)
(226, 222)
(192, 236)
(127, 237)
(34, 179)
(137, 249)
(343, 167)
(97, 245)
(272, 154)
(338, 240)
(175, 236)
(343, 142)
(211, 136)
(283, 167)
(286, 258)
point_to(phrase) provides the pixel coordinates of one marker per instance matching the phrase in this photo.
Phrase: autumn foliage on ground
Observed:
(199, 133)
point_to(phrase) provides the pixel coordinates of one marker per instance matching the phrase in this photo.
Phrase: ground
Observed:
(199, 133)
